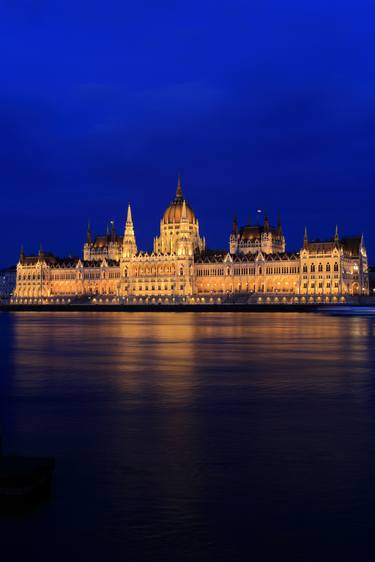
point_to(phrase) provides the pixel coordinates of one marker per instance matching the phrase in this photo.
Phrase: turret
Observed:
(337, 237)
(184, 244)
(235, 224)
(113, 231)
(41, 252)
(233, 239)
(129, 247)
(22, 254)
(184, 219)
(179, 196)
(89, 234)
(279, 226)
(266, 223)
(305, 239)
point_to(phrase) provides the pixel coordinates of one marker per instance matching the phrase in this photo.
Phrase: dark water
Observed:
(202, 437)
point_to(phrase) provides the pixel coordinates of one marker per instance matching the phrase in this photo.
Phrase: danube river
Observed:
(192, 437)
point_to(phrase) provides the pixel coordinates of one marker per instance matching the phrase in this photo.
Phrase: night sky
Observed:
(265, 104)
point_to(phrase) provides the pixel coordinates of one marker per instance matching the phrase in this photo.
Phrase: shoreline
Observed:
(230, 307)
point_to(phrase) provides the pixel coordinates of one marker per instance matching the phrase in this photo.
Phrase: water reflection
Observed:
(196, 436)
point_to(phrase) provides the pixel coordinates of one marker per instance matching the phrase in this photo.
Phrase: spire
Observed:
(113, 231)
(22, 254)
(129, 243)
(305, 238)
(235, 224)
(179, 195)
(184, 212)
(40, 253)
(337, 238)
(89, 234)
(266, 222)
(107, 233)
(279, 225)
(129, 218)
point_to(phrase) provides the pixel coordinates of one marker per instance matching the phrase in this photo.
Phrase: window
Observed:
(312, 268)
(336, 267)
(328, 267)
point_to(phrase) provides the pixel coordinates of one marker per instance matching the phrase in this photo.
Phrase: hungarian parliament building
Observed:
(181, 269)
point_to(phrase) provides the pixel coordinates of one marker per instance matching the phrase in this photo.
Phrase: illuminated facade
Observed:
(181, 269)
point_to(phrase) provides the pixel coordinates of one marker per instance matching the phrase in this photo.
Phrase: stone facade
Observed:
(181, 269)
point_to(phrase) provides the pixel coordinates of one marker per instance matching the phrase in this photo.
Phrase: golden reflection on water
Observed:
(173, 351)
(170, 429)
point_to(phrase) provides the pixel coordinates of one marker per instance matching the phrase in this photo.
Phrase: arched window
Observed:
(328, 267)
(336, 267)
(305, 268)
(320, 268)
(312, 269)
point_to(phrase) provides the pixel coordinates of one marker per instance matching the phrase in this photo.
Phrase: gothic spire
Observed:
(266, 222)
(337, 237)
(129, 243)
(113, 231)
(305, 238)
(235, 224)
(129, 218)
(22, 254)
(89, 234)
(179, 195)
(279, 225)
(184, 212)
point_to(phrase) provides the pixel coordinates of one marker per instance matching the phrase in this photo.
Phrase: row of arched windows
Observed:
(320, 268)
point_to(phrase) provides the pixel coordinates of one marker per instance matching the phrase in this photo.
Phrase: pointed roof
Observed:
(337, 238)
(179, 195)
(279, 229)
(266, 223)
(235, 223)
(305, 238)
(129, 218)
(173, 214)
(89, 234)
(113, 231)
(184, 212)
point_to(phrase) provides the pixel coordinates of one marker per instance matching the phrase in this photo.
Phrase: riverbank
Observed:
(173, 307)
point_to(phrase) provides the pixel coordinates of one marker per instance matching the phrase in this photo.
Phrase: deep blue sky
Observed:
(264, 104)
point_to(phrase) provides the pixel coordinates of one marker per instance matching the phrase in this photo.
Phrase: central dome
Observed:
(173, 214)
